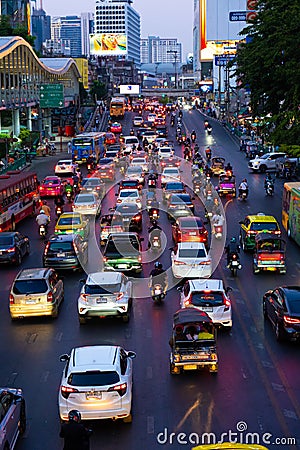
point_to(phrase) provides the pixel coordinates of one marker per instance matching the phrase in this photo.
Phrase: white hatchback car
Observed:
(129, 196)
(135, 173)
(190, 260)
(170, 174)
(87, 204)
(165, 152)
(138, 161)
(97, 381)
(65, 166)
(209, 296)
(138, 121)
(105, 294)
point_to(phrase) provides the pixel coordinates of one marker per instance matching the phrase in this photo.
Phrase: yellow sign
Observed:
(83, 68)
(108, 44)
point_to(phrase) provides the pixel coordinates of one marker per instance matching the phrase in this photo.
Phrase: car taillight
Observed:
(139, 259)
(120, 388)
(11, 250)
(119, 200)
(250, 232)
(290, 320)
(120, 296)
(49, 297)
(84, 297)
(66, 391)
(277, 232)
(188, 301)
(104, 258)
(138, 217)
(47, 247)
(227, 302)
(179, 263)
(11, 299)
(205, 263)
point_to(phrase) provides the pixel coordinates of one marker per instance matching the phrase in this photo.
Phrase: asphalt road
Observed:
(256, 389)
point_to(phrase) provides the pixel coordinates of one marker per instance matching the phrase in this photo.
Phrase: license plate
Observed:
(122, 266)
(192, 233)
(94, 394)
(101, 300)
(190, 367)
(207, 309)
(157, 292)
(61, 255)
(235, 263)
(30, 302)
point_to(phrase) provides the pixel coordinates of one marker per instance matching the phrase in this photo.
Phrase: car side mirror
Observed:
(64, 358)
(131, 354)
(228, 289)
(241, 222)
(116, 195)
(82, 280)
(171, 248)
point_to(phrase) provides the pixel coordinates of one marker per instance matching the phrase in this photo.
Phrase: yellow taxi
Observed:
(230, 446)
(72, 223)
(254, 224)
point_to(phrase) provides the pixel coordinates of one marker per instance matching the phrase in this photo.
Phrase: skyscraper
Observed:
(70, 30)
(117, 18)
(17, 10)
(160, 50)
(41, 27)
(86, 30)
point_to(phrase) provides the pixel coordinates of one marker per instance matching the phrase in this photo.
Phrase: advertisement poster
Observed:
(108, 44)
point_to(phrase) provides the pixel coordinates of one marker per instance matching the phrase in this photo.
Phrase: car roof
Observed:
(185, 222)
(62, 237)
(123, 235)
(101, 278)
(190, 245)
(70, 214)
(94, 355)
(200, 284)
(130, 191)
(261, 218)
(26, 274)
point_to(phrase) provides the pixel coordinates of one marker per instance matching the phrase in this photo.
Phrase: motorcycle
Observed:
(208, 156)
(151, 183)
(205, 125)
(42, 231)
(243, 195)
(157, 293)
(156, 244)
(153, 214)
(193, 138)
(69, 196)
(269, 188)
(188, 154)
(218, 231)
(197, 187)
(234, 264)
(209, 129)
(58, 211)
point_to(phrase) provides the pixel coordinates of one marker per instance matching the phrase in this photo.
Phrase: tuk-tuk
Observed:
(193, 342)
(217, 165)
(226, 185)
(110, 223)
(269, 253)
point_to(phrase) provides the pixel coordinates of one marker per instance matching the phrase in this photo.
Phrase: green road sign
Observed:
(51, 95)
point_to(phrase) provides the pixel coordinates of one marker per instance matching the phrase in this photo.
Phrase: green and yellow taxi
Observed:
(254, 224)
(72, 223)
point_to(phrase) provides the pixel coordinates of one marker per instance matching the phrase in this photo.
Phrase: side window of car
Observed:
(277, 298)
(186, 289)
(247, 222)
(53, 280)
(123, 361)
(6, 402)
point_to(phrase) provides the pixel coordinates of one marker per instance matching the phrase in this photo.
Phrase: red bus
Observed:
(19, 198)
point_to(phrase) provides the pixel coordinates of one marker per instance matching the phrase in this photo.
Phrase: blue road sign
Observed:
(223, 60)
(237, 16)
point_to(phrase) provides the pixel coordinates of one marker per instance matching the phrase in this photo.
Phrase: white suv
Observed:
(209, 296)
(265, 162)
(97, 381)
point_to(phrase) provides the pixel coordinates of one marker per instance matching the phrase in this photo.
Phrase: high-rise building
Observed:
(17, 10)
(160, 50)
(87, 25)
(40, 27)
(70, 30)
(119, 26)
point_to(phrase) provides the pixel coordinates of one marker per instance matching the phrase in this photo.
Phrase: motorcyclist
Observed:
(158, 276)
(228, 167)
(243, 187)
(206, 124)
(154, 207)
(193, 136)
(75, 435)
(145, 142)
(42, 219)
(217, 219)
(187, 152)
(232, 248)
(208, 172)
(154, 230)
(131, 132)
(46, 208)
(180, 113)
(196, 148)
(268, 179)
(208, 153)
(59, 201)
(69, 188)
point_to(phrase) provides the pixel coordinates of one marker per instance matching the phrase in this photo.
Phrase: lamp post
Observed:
(175, 54)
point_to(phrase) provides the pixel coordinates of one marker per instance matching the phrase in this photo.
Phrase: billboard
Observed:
(108, 44)
(83, 67)
(130, 89)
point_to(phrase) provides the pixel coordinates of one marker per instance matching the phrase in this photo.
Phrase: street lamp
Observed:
(175, 54)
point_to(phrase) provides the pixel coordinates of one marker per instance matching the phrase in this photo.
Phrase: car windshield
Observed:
(60, 246)
(90, 182)
(174, 187)
(6, 240)
(64, 163)
(138, 161)
(136, 169)
(132, 141)
(93, 378)
(192, 253)
(128, 209)
(165, 150)
(85, 199)
(93, 289)
(69, 221)
(124, 194)
(170, 171)
(132, 183)
(180, 200)
(38, 286)
(207, 298)
(111, 153)
(122, 248)
(105, 161)
(260, 226)
(191, 222)
(51, 182)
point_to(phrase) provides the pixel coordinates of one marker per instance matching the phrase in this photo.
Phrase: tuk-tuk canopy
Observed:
(217, 160)
(190, 315)
(223, 178)
(269, 241)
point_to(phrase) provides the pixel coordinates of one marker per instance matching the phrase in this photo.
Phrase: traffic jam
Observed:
(141, 212)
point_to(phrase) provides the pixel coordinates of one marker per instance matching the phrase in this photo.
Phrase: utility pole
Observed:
(175, 54)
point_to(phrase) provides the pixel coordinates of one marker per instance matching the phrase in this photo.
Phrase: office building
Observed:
(117, 30)
(71, 31)
(160, 50)
(87, 25)
(17, 10)
(41, 27)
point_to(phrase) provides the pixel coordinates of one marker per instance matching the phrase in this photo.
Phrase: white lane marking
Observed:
(31, 338)
(253, 329)
(244, 375)
(59, 336)
(149, 333)
(150, 424)
(260, 346)
(44, 377)
(267, 364)
(149, 373)
(290, 414)
(12, 378)
(278, 387)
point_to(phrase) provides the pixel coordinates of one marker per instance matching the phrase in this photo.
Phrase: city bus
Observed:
(87, 144)
(291, 210)
(117, 108)
(19, 198)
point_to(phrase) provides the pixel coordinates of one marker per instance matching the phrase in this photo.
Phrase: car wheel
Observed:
(173, 370)
(126, 317)
(22, 420)
(27, 251)
(18, 258)
(278, 332)
(13, 224)
(82, 320)
(265, 309)
(128, 419)
(263, 168)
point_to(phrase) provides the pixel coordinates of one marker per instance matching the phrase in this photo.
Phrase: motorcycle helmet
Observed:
(233, 240)
(158, 265)
(74, 416)
(42, 211)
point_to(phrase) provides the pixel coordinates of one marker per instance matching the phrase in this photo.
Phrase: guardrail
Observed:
(18, 164)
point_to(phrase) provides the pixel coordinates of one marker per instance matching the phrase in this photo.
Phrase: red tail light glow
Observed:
(66, 391)
(290, 320)
(120, 295)
(50, 297)
(11, 299)
(120, 388)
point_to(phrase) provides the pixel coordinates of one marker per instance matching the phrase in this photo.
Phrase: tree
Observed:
(98, 90)
(269, 65)
(21, 30)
